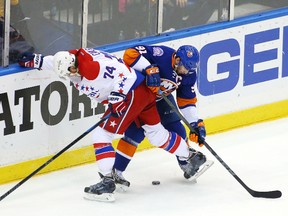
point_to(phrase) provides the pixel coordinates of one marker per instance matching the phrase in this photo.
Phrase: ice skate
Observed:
(121, 183)
(196, 166)
(102, 191)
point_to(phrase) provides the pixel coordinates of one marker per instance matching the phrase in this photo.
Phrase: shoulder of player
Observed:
(90, 69)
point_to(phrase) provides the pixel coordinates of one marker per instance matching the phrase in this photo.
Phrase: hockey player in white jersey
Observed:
(106, 79)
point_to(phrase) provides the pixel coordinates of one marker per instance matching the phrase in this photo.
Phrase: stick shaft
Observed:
(53, 158)
(268, 194)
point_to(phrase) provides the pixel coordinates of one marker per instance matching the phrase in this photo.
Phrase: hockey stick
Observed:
(263, 194)
(54, 157)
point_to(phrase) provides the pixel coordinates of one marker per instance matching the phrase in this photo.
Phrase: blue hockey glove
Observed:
(200, 130)
(117, 104)
(31, 60)
(152, 78)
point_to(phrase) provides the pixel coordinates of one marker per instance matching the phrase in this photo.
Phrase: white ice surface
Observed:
(257, 154)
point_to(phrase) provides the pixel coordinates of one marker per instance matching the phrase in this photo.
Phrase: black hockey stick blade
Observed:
(260, 194)
(54, 157)
(267, 194)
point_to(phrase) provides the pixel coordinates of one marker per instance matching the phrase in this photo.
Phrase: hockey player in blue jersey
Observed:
(178, 72)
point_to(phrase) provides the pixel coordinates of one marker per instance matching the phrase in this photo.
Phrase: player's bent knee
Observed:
(100, 135)
(156, 134)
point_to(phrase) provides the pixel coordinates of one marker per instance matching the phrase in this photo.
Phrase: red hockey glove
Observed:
(117, 104)
(152, 78)
(31, 60)
(199, 128)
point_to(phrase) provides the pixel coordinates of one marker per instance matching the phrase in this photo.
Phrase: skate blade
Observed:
(203, 169)
(105, 197)
(121, 188)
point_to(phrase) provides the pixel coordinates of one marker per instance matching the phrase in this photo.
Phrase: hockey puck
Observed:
(155, 182)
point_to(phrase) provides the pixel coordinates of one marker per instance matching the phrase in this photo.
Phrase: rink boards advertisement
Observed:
(243, 67)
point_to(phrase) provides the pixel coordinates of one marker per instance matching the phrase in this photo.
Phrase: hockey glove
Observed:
(117, 104)
(152, 78)
(200, 130)
(31, 60)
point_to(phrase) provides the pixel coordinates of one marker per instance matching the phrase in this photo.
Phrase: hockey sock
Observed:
(124, 154)
(176, 145)
(105, 157)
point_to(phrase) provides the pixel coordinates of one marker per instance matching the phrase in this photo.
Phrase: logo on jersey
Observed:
(157, 51)
(167, 86)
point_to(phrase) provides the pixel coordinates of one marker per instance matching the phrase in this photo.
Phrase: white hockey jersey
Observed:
(101, 73)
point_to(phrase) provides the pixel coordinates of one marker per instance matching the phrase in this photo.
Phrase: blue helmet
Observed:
(189, 57)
